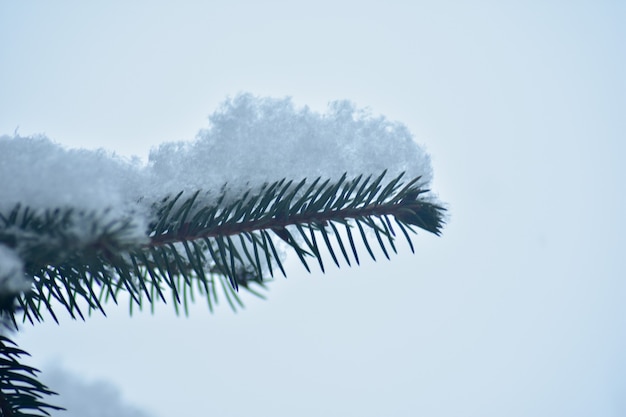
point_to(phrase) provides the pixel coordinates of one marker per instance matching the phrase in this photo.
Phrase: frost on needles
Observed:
(79, 227)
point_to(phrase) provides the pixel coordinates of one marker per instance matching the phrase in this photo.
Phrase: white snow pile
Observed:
(254, 140)
(12, 278)
(249, 141)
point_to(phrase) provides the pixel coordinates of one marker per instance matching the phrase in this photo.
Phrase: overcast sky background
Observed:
(517, 310)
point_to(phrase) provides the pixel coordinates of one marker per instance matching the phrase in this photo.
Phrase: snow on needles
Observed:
(254, 140)
(40, 174)
(249, 141)
(12, 277)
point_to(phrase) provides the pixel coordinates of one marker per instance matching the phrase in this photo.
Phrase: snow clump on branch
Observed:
(250, 141)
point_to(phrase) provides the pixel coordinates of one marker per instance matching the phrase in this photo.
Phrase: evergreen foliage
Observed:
(21, 393)
(194, 248)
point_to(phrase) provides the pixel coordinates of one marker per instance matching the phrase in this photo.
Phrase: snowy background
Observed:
(517, 310)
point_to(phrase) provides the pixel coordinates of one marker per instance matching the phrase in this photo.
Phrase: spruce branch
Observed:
(21, 394)
(198, 246)
(109, 244)
(195, 247)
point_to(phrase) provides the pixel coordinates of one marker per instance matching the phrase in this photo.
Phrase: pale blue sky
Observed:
(517, 310)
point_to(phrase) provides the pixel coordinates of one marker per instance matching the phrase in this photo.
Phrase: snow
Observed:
(12, 277)
(254, 140)
(249, 141)
(39, 173)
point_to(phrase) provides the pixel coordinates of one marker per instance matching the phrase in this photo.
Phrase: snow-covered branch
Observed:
(78, 228)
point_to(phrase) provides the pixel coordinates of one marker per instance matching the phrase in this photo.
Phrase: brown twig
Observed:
(235, 227)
